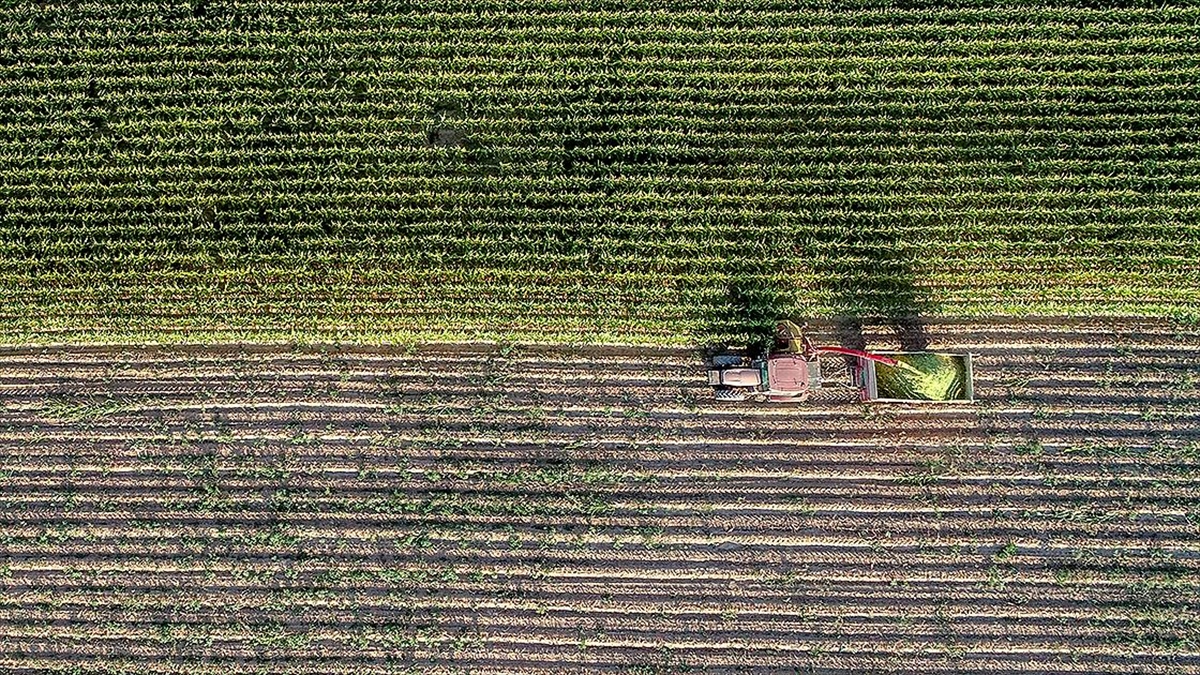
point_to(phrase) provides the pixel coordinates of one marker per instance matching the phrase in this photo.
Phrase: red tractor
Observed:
(791, 371)
(788, 373)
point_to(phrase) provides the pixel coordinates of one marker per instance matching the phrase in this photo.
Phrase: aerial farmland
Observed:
(371, 336)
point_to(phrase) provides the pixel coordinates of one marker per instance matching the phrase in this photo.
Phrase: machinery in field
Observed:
(791, 372)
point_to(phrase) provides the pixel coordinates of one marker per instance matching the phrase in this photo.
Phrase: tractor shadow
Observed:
(741, 315)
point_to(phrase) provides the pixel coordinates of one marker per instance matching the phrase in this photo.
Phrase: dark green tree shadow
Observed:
(741, 303)
(747, 312)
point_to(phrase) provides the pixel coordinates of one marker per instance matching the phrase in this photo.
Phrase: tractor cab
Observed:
(788, 373)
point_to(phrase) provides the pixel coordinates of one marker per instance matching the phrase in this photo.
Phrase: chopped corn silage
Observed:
(930, 377)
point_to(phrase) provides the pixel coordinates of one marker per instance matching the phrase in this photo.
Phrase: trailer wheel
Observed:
(729, 395)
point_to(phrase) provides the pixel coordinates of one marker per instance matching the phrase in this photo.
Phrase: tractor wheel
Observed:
(726, 361)
(729, 395)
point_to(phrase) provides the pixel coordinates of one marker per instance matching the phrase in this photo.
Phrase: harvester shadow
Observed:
(870, 279)
(864, 276)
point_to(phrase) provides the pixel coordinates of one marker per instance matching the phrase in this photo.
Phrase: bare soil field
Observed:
(479, 509)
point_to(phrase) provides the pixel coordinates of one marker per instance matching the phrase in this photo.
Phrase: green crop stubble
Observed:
(586, 172)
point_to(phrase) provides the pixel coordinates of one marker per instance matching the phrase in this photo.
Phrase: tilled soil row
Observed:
(107, 536)
(374, 592)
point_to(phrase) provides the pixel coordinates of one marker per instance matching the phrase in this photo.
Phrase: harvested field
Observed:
(537, 509)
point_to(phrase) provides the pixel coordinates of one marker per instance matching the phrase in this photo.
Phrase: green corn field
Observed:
(589, 170)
